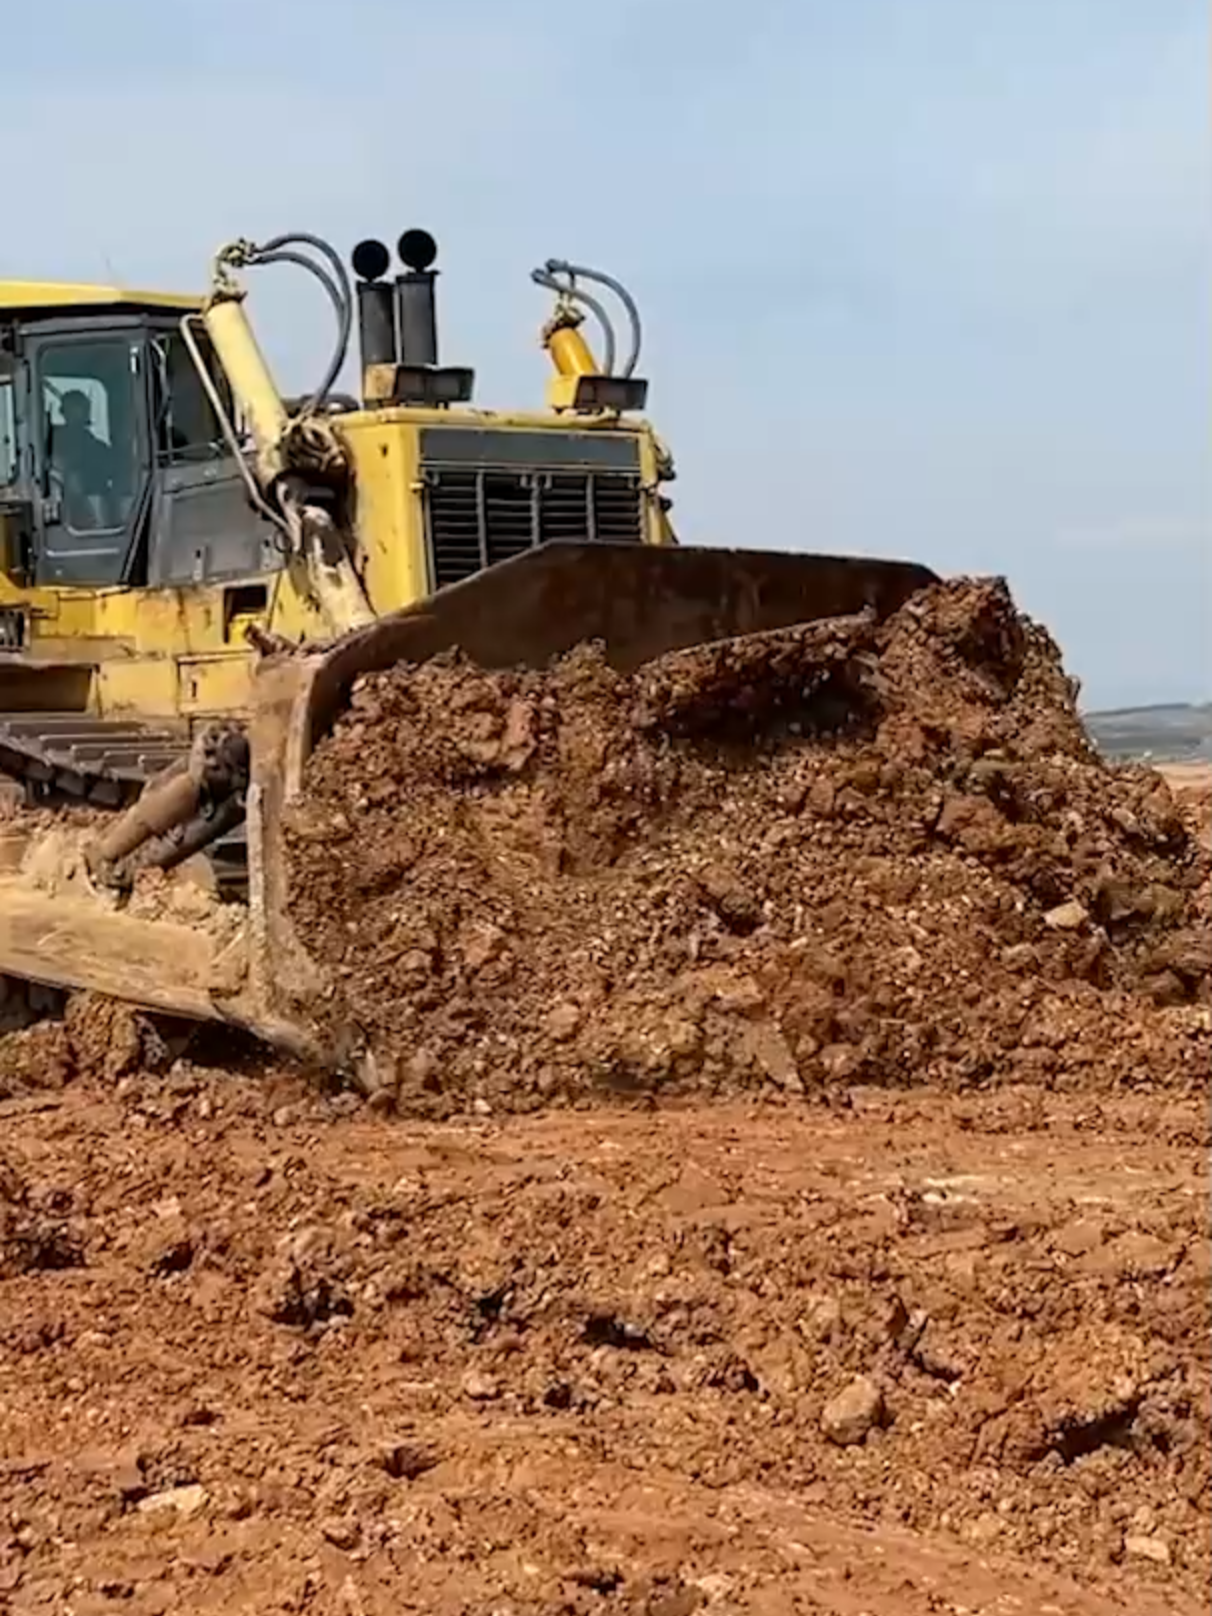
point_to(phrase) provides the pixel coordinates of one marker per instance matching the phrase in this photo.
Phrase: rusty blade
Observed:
(638, 601)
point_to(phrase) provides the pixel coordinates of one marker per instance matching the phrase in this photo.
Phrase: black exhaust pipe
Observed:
(376, 313)
(416, 299)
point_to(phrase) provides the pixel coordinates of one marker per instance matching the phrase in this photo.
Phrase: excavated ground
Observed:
(910, 1353)
(853, 1258)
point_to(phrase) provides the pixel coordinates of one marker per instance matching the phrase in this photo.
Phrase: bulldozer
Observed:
(195, 571)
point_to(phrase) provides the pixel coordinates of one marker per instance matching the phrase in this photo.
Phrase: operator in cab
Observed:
(85, 465)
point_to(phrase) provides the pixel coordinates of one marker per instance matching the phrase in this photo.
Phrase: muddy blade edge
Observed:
(640, 602)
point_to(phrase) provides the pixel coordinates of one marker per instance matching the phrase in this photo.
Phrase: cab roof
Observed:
(63, 296)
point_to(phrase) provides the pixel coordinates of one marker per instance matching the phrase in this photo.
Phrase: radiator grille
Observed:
(476, 517)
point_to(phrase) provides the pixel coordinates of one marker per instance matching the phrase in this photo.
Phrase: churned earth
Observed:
(891, 1352)
(785, 1187)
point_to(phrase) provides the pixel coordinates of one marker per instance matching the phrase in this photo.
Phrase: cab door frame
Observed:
(86, 559)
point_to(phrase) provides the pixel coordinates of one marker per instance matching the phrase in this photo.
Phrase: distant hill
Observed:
(1177, 732)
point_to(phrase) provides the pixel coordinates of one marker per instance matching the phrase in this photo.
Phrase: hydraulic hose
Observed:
(560, 266)
(336, 285)
(574, 294)
(334, 279)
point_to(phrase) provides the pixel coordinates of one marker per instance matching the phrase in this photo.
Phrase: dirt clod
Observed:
(854, 1411)
(1148, 1548)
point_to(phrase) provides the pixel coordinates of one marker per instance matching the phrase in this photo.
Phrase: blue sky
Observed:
(920, 277)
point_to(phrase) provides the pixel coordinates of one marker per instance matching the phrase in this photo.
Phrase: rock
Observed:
(678, 1038)
(1070, 916)
(405, 1461)
(1163, 903)
(853, 1412)
(912, 1330)
(896, 1317)
(737, 995)
(185, 1500)
(563, 1021)
(732, 900)
(342, 1534)
(823, 1320)
(838, 1061)
(766, 1048)
(421, 1069)
(304, 1284)
(792, 795)
(414, 966)
(173, 1256)
(1117, 901)
(1186, 953)
(1148, 1548)
(821, 798)
(1079, 1236)
(973, 822)
(481, 1107)
(1165, 988)
(985, 1529)
(518, 740)
(481, 943)
(480, 1388)
(119, 1472)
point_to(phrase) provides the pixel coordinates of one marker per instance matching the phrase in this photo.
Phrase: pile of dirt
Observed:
(850, 852)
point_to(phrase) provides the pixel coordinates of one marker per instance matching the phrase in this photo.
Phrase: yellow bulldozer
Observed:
(194, 571)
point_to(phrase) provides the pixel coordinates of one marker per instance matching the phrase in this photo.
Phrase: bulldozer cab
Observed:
(114, 471)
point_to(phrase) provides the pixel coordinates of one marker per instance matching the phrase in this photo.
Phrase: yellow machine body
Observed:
(182, 654)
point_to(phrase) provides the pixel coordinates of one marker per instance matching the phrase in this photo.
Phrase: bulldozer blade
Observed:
(168, 967)
(639, 601)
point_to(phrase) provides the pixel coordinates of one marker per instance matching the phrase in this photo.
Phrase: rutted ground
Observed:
(897, 1354)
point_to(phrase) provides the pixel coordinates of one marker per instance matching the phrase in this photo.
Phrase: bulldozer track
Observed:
(101, 763)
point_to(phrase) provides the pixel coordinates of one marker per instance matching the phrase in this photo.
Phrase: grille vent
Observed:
(477, 517)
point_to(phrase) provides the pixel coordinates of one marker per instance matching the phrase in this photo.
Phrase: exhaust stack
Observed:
(398, 328)
(376, 320)
(417, 300)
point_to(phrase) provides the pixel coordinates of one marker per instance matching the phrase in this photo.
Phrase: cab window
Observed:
(187, 427)
(88, 404)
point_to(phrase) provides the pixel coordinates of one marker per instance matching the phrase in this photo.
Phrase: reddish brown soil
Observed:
(837, 854)
(855, 1258)
(579, 1362)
